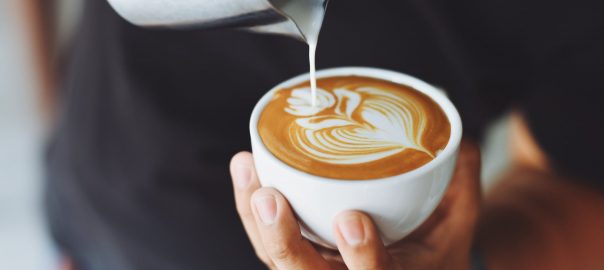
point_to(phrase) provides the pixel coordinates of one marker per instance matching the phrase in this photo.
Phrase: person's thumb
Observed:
(360, 244)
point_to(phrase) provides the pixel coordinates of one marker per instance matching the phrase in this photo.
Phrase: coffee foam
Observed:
(357, 124)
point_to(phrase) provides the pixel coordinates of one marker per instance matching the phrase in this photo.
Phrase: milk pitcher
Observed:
(293, 18)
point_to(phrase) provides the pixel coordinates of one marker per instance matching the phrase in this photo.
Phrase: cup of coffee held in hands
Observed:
(373, 140)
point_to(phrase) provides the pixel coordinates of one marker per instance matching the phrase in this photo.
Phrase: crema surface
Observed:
(360, 128)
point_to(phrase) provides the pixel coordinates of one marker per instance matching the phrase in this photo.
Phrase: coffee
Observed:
(360, 128)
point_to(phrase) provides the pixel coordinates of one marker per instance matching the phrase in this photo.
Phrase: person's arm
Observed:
(41, 32)
(536, 219)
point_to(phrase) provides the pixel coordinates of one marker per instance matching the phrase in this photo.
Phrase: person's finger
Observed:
(467, 169)
(281, 235)
(462, 198)
(245, 183)
(450, 228)
(465, 184)
(328, 254)
(359, 242)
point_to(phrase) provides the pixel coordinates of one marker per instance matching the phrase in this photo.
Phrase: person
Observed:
(148, 119)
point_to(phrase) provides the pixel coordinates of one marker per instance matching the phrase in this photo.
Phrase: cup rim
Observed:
(434, 93)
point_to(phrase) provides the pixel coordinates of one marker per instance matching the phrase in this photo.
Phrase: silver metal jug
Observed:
(287, 17)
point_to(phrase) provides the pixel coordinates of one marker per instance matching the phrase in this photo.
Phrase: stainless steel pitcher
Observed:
(266, 16)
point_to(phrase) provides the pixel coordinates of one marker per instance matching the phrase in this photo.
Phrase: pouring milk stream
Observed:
(300, 19)
(308, 16)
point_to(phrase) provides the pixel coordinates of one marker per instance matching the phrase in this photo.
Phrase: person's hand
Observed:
(442, 242)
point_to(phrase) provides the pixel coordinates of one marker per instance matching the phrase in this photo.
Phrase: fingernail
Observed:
(266, 206)
(242, 177)
(351, 228)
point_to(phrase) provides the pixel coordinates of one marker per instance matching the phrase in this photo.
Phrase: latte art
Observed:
(388, 124)
(356, 124)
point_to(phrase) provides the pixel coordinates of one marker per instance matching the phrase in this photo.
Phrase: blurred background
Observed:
(24, 241)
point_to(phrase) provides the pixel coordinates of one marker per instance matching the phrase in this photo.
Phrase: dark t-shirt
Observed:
(138, 165)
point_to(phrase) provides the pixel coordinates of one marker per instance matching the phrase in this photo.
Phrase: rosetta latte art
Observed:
(360, 128)
(388, 124)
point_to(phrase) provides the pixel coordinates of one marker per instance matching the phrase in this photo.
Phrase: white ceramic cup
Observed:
(397, 204)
